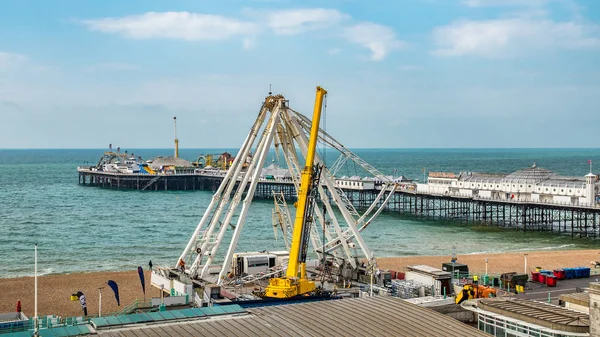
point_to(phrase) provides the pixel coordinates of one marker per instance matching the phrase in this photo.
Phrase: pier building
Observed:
(531, 184)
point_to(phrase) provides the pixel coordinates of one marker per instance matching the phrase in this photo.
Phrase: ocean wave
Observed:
(484, 252)
(527, 249)
(560, 247)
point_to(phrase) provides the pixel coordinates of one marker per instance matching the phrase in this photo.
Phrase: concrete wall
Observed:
(594, 309)
(485, 194)
(439, 189)
(562, 199)
(420, 278)
(157, 280)
(423, 188)
(465, 192)
(169, 300)
(355, 184)
(577, 307)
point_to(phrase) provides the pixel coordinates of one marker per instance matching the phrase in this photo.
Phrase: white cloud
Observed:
(294, 21)
(488, 3)
(510, 37)
(377, 38)
(11, 60)
(173, 25)
(192, 26)
(249, 43)
(113, 66)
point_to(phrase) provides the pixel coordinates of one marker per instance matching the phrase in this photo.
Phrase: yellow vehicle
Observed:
(471, 291)
(295, 282)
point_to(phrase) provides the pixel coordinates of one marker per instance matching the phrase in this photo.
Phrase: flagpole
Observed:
(36, 327)
(100, 302)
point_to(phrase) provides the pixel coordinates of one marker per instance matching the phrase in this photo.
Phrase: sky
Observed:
(400, 74)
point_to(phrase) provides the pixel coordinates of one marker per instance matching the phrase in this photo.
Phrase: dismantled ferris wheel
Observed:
(333, 237)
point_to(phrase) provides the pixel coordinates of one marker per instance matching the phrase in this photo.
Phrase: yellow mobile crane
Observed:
(295, 282)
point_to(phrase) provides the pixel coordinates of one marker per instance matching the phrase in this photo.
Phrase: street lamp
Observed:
(36, 322)
(486, 267)
(100, 301)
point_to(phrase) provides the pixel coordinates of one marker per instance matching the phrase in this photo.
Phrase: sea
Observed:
(81, 228)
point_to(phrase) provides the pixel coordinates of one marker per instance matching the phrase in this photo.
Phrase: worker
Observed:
(150, 264)
(19, 306)
(181, 265)
(474, 279)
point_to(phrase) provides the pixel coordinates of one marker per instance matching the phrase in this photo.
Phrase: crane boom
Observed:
(295, 282)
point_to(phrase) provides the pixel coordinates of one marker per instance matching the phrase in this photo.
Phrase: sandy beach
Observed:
(54, 290)
(502, 262)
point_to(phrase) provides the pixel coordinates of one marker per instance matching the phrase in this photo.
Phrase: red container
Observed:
(551, 281)
(535, 276)
(542, 278)
(560, 274)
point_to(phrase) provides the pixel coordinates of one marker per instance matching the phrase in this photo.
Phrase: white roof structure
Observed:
(159, 162)
(530, 175)
(276, 171)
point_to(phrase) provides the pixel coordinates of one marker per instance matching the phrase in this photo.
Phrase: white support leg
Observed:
(249, 196)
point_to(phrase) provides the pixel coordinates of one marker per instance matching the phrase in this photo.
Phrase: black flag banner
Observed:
(81, 297)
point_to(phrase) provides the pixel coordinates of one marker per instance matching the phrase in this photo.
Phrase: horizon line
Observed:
(329, 147)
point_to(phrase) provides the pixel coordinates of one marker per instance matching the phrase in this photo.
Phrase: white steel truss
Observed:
(287, 130)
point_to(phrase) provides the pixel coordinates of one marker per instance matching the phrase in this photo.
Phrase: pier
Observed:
(576, 221)
(424, 201)
(202, 181)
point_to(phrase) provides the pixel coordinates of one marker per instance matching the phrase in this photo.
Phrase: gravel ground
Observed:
(54, 290)
(501, 263)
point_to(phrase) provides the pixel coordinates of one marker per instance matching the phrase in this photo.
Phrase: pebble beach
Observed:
(54, 290)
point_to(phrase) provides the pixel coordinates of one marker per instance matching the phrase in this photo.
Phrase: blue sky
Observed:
(420, 73)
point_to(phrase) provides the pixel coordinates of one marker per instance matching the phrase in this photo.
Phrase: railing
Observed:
(515, 201)
(133, 307)
(52, 321)
(44, 322)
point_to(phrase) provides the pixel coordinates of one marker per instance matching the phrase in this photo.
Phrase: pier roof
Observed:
(276, 171)
(484, 177)
(369, 316)
(574, 182)
(529, 175)
(546, 315)
(169, 161)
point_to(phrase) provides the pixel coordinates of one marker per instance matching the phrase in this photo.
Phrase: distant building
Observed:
(274, 172)
(531, 184)
(355, 183)
(170, 163)
(518, 317)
